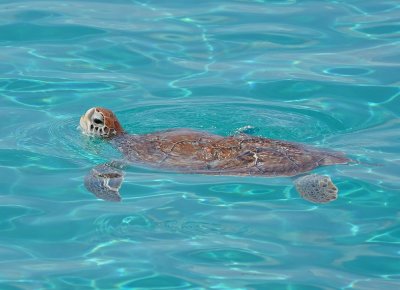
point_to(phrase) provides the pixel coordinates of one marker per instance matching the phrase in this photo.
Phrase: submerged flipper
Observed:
(316, 188)
(247, 130)
(104, 181)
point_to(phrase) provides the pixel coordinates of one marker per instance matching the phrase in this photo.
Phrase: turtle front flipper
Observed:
(104, 181)
(316, 188)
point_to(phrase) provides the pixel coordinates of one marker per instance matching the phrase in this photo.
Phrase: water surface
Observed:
(325, 73)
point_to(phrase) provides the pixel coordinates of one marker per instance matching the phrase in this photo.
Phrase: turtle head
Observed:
(100, 122)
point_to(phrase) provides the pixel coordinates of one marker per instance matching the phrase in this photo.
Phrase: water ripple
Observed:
(319, 72)
(21, 32)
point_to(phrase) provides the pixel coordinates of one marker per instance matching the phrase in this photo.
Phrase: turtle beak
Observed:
(84, 122)
(83, 125)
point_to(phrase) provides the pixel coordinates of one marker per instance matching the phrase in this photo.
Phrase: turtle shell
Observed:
(200, 152)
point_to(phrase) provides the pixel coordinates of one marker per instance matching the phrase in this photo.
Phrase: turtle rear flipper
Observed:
(104, 181)
(316, 188)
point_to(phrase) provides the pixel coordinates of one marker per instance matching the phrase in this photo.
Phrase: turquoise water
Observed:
(325, 73)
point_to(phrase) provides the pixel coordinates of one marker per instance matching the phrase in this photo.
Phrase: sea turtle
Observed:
(189, 151)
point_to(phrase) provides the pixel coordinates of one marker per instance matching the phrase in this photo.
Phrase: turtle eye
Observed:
(98, 121)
